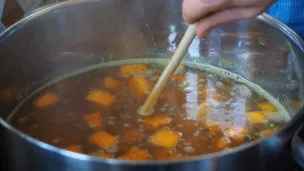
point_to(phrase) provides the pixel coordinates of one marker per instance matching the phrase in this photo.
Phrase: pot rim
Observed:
(44, 146)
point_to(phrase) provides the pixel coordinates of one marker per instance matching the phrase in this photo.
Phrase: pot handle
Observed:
(297, 146)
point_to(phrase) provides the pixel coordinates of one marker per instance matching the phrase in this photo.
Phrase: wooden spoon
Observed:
(177, 57)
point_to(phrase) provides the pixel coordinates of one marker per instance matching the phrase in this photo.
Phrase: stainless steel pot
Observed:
(79, 33)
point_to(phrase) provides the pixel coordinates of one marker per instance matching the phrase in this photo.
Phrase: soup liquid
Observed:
(95, 113)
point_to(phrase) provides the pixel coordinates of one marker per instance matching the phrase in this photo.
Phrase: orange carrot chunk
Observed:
(236, 133)
(222, 142)
(104, 140)
(94, 119)
(131, 69)
(165, 137)
(139, 86)
(155, 121)
(135, 154)
(74, 148)
(102, 98)
(270, 111)
(111, 83)
(256, 116)
(266, 133)
(102, 154)
(267, 107)
(257, 119)
(46, 100)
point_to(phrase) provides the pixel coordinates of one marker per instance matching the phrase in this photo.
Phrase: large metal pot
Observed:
(79, 33)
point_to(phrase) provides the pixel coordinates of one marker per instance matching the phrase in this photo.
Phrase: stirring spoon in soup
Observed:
(177, 57)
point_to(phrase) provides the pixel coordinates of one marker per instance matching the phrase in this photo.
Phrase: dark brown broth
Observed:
(62, 124)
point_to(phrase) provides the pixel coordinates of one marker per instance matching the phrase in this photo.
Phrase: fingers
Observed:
(206, 24)
(193, 10)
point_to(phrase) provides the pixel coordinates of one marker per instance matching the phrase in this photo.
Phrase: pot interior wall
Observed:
(78, 34)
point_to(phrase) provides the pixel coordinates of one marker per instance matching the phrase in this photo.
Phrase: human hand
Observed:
(211, 13)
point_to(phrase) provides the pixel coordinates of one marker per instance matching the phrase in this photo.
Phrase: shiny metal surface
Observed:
(2, 27)
(80, 33)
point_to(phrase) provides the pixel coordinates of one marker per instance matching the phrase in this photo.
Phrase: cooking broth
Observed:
(94, 112)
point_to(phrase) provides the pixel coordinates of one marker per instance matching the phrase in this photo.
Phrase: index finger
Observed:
(193, 10)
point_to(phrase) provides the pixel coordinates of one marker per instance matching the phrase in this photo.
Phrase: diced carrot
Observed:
(111, 83)
(256, 116)
(94, 119)
(131, 69)
(270, 111)
(102, 98)
(172, 96)
(222, 142)
(104, 140)
(266, 133)
(74, 148)
(236, 133)
(136, 154)
(165, 137)
(6, 94)
(46, 100)
(155, 121)
(139, 86)
(267, 107)
(102, 154)
(257, 120)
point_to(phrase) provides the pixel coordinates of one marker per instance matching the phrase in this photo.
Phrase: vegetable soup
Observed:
(95, 113)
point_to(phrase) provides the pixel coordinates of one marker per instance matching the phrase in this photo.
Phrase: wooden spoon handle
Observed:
(177, 57)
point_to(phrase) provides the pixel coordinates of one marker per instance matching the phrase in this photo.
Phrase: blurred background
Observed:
(289, 12)
(13, 10)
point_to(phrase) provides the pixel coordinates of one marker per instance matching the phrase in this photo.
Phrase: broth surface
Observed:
(95, 113)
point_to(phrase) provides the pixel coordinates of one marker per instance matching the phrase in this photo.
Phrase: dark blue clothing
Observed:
(290, 12)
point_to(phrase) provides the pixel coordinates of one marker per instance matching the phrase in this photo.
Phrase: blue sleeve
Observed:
(290, 12)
